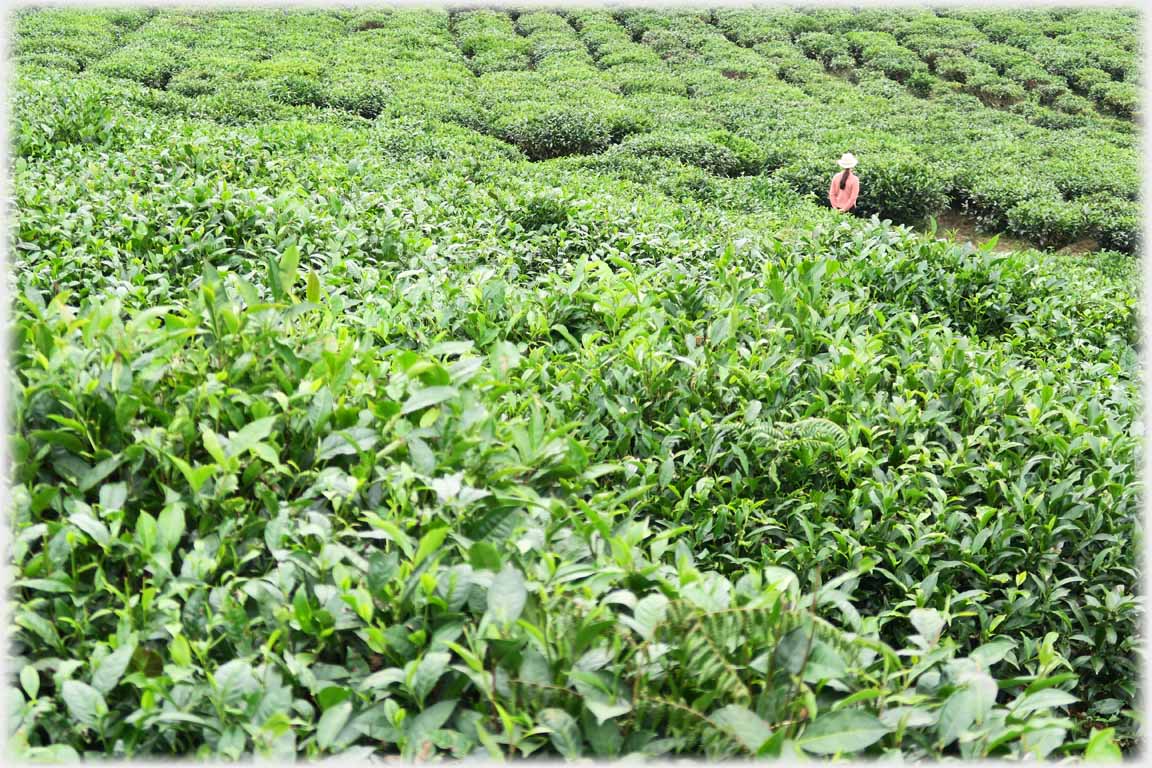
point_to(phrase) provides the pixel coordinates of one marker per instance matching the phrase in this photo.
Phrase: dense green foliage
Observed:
(484, 383)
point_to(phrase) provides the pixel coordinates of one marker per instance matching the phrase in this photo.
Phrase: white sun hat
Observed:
(847, 160)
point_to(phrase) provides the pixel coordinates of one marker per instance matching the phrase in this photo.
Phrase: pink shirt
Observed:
(843, 199)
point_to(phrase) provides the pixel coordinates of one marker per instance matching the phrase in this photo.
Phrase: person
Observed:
(845, 185)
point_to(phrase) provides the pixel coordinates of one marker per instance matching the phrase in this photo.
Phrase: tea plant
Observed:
(478, 383)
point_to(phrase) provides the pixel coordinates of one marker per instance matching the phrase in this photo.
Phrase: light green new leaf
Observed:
(1102, 747)
(313, 291)
(180, 651)
(429, 543)
(212, 445)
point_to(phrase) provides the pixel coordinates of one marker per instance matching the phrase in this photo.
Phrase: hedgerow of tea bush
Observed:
(478, 392)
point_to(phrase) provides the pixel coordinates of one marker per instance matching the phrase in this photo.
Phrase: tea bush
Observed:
(1050, 223)
(718, 152)
(490, 42)
(432, 384)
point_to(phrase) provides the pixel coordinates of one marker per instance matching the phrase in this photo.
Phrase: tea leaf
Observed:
(748, 728)
(842, 732)
(85, 704)
(507, 596)
(109, 670)
(331, 723)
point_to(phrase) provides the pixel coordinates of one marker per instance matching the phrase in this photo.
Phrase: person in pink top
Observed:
(845, 186)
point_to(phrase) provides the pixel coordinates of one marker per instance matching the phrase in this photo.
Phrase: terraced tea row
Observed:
(493, 384)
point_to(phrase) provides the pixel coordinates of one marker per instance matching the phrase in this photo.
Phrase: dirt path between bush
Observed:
(956, 226)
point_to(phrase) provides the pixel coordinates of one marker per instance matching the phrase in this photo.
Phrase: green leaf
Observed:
(605, 709)
(507, 596)
(195, 476)
(427, 673)
(111, 668)
(180, 651)
(97, 473)
(288, 265)
(361, 601)
(419, 727)
(605, 738)
(267, 453)
(421, 456)
(46, 585)
(170, 527)
(427, 397)
(331, 723)
(484, 556)
(113, 496)
(392, 532)
(1049, 698)
(302, 609)
(146, 532)
(41, 627)
(429, 543)
(842, 732)
(792, 650)
(1050, 682)
(824, 663)
(382, 679)
(648, 613)
(1102, 747)
(93, 527)
(744, 725)
(313, 290)
(251, 434)
(928, 622)
(991, 652)
(598, 697)
(957, 715)
(53, 754)
(332, 695)
(212, 445)
(85, 704)
(504, 358)
(451, 348)
(235, 681)
(563, 732)
(30, 681)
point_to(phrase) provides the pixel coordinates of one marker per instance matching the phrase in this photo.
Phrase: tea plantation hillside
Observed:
(444, 384)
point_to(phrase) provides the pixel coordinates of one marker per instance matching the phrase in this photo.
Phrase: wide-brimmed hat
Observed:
(847, 160)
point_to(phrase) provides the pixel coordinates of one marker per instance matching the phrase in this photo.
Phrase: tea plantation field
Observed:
(433, 384)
